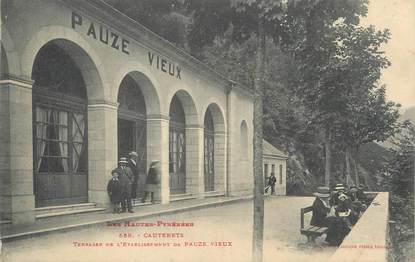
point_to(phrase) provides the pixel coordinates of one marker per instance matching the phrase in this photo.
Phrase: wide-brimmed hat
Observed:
(154, 162)
(123, 160)
(133, 153)
(116, 171)
(322, 191)
(339, 187)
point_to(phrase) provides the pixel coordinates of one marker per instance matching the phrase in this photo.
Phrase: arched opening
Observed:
(132, 128)
(177, 147)
(214, 149)
(60, 146)
(244, 141)
(209, 152)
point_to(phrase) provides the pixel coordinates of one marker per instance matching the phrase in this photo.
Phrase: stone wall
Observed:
(160, 70)
(368, 240)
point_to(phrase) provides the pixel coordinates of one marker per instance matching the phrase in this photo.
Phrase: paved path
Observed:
(46, 225)
(229, 226)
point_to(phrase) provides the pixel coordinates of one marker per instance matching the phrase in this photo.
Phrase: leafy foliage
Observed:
(322, 72)
(399, 179)
(164, 17)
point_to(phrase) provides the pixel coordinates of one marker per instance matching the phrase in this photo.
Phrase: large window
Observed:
(60, 140)
(60, 151)
(266, 171)
(209, 152)
(177, 148)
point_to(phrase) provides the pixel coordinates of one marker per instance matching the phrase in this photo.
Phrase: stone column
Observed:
(220, 162)
(232, 143)
(195, 183)
(17, 200)
(158, 149)
(102, 149)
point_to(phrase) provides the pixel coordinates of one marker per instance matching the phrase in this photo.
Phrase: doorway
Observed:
(132, 128)
(177, 148)
(126, 137)
(60, 132)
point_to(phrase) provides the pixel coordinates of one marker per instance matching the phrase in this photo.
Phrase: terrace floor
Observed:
(219, 233)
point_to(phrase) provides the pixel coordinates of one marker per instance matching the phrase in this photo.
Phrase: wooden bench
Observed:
(312, 232)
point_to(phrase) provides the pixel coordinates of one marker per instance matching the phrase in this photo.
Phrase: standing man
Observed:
(133, 164)
(271, 183)
(126, 180)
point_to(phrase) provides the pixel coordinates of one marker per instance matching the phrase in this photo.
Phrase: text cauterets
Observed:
(101, 33)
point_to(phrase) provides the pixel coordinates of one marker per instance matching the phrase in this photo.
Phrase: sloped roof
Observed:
(271, 150)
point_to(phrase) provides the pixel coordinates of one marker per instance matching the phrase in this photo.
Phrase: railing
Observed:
(368, 239)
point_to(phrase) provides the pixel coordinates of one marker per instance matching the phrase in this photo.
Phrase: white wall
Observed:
(32, 24)
(280, 185)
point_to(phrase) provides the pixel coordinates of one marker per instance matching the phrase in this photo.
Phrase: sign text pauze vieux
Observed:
(101, 33)
(114, 40)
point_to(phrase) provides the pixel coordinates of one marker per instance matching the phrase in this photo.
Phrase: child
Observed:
(114, 190)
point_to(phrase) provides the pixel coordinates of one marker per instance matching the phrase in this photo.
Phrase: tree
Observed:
(164, 17)
(316, 53)
(277, 19)
(400, 182)
(249, 17)
(363, 113)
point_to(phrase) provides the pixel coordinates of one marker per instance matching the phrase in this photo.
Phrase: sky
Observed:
(399, 17)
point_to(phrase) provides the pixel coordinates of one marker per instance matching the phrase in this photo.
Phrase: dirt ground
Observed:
(213, 234)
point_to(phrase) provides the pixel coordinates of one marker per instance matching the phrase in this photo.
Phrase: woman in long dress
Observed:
(152, 181)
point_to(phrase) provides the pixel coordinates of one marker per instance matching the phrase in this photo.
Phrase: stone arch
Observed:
(184, 144)
(218, 117)
(214, 148)
(85, 57)
(189, 108)
(137, 99)
(243, 140)
(146, 81)
(63, 74)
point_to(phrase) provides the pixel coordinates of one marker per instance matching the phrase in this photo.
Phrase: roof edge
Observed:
(136, 31)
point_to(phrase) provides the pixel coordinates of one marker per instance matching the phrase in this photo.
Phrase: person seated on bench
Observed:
(357, 206)
(337, 190)
(361, 196)
(321, 208)
(340, 225)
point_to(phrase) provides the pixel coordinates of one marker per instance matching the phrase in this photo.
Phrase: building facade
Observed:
(82, 84)
(275, 161)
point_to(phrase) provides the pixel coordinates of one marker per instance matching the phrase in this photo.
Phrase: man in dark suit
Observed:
(321, 208)
(361, 196)
(133, 165)
(271, 184)
(126, 180)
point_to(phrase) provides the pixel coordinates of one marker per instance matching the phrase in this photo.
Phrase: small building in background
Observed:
(275, 161)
